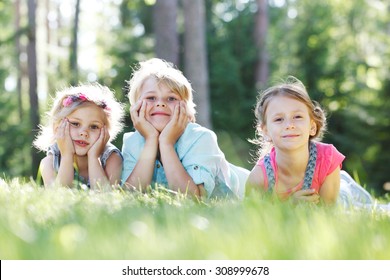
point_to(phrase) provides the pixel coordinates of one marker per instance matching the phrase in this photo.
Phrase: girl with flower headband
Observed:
(168, 148)
(80, 125)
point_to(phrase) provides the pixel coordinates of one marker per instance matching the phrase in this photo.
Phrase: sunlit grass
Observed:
(37, 223)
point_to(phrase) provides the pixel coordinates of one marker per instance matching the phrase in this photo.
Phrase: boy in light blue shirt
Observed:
(168, 148)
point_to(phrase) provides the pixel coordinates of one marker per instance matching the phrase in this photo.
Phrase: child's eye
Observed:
(94, 126)
(74, 124)
(171, 99)
(278, 120)
(298, 117)
(151, 98)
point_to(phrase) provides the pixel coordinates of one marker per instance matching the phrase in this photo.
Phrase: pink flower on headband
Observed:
(73, 98)
(80, 97)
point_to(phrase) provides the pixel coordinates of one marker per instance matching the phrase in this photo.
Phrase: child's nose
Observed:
(290, 124)
(84, 132)
(161, 103)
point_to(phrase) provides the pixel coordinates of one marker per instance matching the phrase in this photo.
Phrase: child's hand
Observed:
(137, 114)
(63, 139)
(309, 195)
(176, 126)
(97, 148)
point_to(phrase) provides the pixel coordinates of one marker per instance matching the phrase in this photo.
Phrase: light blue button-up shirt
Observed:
(198, 151)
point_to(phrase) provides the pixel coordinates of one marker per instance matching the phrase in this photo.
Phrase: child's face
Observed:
(160, 103)
(288, 122)
(85, 124)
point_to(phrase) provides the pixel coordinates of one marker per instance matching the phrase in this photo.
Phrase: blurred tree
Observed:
(74, 68)
(232, 58)
(18, 51)
(131, 41)
(14, 147)
(260, 38)
(32, 74)
(165, 14)
(195, 57)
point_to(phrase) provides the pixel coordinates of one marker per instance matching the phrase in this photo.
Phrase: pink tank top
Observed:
(328, 159)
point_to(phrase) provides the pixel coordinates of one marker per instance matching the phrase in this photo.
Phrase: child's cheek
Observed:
(149, 104)
(72, 132)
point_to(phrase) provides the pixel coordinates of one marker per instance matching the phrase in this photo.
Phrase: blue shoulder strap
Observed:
(309, 173)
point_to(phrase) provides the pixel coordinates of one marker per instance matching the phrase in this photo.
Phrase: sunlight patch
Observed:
(199, 222)
(71, 235)
(139, 228)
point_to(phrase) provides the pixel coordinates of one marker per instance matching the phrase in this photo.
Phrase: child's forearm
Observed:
(65, 174)
(142, 174)
(329, 190)
(97, 176)
(113, 169)
(177, 177)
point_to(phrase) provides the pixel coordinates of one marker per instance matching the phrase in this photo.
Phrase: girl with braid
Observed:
(293, 164)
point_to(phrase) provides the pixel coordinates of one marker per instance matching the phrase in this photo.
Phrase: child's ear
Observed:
(313, 128)
(264, 131)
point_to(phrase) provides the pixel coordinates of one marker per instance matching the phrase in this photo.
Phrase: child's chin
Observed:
(81, 153)
(160, 127)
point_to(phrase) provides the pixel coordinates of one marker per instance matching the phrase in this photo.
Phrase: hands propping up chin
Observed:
(63, 139)
(170, 133)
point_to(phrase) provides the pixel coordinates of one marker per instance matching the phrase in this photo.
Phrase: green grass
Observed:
(37, 223)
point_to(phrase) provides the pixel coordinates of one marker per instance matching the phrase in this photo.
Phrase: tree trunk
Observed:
(48, 32)
(260, 37)
(32, 75)
(73, 51)
(195, 56)
(17, 63)
(165, 30)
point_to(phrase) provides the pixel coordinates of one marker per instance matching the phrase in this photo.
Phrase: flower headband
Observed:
(80, 97)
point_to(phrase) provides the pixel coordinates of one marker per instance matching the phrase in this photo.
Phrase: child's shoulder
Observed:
(325, 148)
(110, 148)
(133, 136)
(327, 154)
(197, 136)
(195, 131)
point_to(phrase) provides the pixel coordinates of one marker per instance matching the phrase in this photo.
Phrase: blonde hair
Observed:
(295, 89)
(164, 72)
(69, 99)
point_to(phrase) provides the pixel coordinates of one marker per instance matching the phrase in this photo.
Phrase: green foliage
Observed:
(14, 132)
(233, 93)
(37, 223)
(14, 151)
(127, 49)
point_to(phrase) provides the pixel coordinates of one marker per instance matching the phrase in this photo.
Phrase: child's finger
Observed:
(142, 109)
(136, 106)
(135, 109)
(106, 134)
(307, 192)
(183, 112)
(60, 130)
(176, 112)
(66, 128)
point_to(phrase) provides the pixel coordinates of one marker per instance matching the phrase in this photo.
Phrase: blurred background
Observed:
(229, 50)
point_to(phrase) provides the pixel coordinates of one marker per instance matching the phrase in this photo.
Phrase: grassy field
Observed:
(37, 223)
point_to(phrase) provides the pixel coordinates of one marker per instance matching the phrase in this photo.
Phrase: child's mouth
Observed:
(81, 143)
